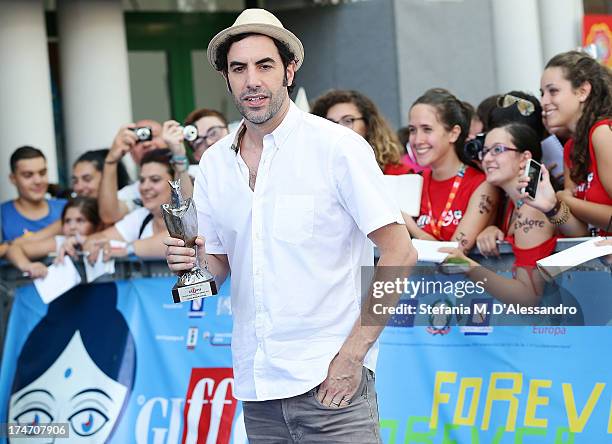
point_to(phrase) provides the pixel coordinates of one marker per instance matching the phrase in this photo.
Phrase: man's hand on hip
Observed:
(181, 258)
(343, 379)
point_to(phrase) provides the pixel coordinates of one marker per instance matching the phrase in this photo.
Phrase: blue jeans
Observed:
(303, 419)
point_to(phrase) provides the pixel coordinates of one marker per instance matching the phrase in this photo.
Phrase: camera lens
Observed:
(144, 133)
(190, 133)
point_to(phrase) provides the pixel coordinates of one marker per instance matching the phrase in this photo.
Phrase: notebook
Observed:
(406, 190)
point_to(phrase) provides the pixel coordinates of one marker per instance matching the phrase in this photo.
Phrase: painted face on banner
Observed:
(74, 391)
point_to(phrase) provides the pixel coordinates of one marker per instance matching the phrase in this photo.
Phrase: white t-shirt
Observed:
(130, 195)
(129, 226)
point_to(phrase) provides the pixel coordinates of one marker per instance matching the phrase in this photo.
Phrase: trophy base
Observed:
(194, 291)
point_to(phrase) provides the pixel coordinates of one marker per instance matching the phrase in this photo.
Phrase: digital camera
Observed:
(190, 133)
(143, 133)
(474, 146)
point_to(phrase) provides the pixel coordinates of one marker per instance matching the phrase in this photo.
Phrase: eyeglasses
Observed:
(494, 150)
(213, 134)
(525, 107)
(347, 121)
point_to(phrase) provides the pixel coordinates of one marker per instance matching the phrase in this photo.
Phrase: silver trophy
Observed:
(182, 222)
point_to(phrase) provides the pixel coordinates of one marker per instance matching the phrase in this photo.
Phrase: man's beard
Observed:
(260, 116)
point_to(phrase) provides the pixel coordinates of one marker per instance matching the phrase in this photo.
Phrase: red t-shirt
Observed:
(438, 191)
(526, 257)
(592, 189)
(397, 169)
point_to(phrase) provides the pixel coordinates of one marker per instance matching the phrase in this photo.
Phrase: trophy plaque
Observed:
(182, 222)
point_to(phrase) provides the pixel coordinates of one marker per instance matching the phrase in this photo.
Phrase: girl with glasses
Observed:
(357, 112)
(577, 96)
(527, 229)
(456, 201)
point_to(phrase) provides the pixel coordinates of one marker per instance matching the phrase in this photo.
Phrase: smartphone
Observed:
(533, 170)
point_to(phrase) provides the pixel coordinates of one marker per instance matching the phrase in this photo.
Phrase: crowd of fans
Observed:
(472, 160)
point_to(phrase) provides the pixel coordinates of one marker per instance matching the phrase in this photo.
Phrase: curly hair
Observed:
(379, 135)
(579, 68)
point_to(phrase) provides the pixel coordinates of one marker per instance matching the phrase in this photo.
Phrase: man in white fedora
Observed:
(287, 202)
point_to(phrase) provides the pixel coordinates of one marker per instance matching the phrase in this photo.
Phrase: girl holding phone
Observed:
(527, 229)
(577, 96)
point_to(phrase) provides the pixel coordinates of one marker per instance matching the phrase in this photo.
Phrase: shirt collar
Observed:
(281, 132)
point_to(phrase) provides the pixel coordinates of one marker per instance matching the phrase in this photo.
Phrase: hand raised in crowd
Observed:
(487, 241)
(545, 199)
(172, 133)
(35, 270)
(181, 258)
(124, 141)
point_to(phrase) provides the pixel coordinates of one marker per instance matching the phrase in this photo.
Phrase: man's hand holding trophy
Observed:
(181, 220)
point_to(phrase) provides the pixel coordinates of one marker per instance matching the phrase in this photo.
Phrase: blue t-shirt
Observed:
(15, 225)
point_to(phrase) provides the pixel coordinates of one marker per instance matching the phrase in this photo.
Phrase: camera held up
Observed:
(144, 133)
(474, 146)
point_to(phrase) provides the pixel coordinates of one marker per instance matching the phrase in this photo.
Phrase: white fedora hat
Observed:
(257, 21)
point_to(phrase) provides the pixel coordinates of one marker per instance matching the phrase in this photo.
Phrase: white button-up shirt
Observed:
(295, 246)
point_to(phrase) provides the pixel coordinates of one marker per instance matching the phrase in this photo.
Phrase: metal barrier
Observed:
(128, 268)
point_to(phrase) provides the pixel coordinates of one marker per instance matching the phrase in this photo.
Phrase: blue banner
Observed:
(121, 363)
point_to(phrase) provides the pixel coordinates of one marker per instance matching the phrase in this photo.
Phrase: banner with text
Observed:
(119, 362)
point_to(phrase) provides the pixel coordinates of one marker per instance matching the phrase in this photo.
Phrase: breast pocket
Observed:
(293, 218)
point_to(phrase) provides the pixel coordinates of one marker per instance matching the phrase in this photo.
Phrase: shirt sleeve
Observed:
(206, 225)
(129, 226)
(360, 185)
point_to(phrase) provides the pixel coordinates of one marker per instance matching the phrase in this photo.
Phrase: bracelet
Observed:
(562, 216)
(130, 248)
(179, 160)
(111, 162)
(554, 210)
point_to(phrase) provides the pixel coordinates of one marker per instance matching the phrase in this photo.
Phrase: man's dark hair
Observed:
(24, 152)
(283, 50)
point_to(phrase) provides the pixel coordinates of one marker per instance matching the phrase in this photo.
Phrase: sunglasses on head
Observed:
(525, 107)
